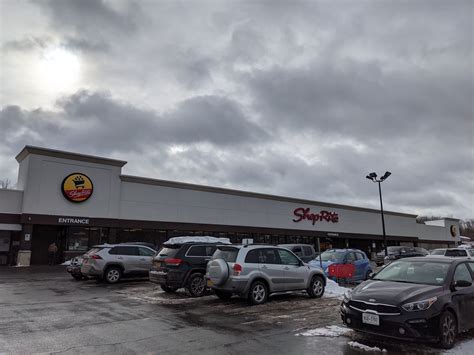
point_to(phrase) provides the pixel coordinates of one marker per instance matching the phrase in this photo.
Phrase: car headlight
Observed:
(347, 296)
(419, 305)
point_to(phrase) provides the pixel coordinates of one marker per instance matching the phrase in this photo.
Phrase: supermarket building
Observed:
(79, 200)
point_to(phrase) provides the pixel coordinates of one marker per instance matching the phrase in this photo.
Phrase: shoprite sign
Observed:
(322, 216)
(77, 187)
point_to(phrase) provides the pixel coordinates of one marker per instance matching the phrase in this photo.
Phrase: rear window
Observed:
(201, 250)
(227, 254)
(169, 251)
(94, 251)
(307, 250)
(124, 251)
(455, 253)
(438, 252)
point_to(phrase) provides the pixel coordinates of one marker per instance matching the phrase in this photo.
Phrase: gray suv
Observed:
(305, 252)
(257, 271)
(111, 262)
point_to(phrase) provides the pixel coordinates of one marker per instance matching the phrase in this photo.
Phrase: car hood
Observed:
(394, 293)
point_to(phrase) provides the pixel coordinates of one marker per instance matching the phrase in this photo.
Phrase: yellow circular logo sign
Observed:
(77, 187)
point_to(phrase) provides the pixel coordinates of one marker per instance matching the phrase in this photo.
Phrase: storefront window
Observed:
(78, 239)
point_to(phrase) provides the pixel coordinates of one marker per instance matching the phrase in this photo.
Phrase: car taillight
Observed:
(173, 261)
(237, 269)
(95, 256)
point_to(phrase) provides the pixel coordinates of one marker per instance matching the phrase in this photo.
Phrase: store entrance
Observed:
(42, 237)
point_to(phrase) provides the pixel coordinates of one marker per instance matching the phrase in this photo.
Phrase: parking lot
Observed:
(44, 310)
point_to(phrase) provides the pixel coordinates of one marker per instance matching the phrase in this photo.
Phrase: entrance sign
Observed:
(77, 187)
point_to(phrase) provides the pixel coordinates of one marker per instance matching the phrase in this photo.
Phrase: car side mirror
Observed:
(371, 275)
(462, 283)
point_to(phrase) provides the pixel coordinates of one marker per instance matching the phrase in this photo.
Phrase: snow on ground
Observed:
(462, 348)
(333, 289)
(328, 331)
(354, 344)
(66, 263)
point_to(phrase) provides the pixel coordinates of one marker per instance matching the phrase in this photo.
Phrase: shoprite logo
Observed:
(305, 214)
(77, 187)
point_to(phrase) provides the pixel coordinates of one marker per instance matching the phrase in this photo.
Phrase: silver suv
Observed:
(111, 262)
(257, 271)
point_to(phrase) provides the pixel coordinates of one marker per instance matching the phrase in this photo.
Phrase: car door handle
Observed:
(120, 258)
(143, 259)
(286, 268)
(264, 267)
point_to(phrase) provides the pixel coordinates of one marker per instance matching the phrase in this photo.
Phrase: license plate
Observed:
(209, 283)
(372, 319)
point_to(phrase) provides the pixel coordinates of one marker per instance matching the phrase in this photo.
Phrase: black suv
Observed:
(399, 252)
(183, 265)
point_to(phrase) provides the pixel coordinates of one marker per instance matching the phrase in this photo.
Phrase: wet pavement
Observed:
(44, 310)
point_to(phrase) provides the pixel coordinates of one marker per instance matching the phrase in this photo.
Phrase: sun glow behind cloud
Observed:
(58, 70)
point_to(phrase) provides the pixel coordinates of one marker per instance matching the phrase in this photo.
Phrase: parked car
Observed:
(399, 252)
(256, 272)
(356, 257)
(305, 252)
(74, 268)
(453, 252)
(181, 262)
(423, 298)
(111, 262)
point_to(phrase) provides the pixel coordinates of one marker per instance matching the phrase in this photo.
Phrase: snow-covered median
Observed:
(333, 289)
(356, 345)
(329, 331)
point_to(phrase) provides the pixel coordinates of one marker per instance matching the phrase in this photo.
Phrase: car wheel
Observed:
(258, 293)
(223, 295)
(113, 274)
(196, 285)
(168, 289)
(448, 330)
(316, 287)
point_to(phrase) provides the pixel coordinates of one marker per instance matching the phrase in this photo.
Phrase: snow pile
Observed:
(334, 290)
(205, 239)
(463, 348)
(354, 344)
(66, 263)
(329, 331)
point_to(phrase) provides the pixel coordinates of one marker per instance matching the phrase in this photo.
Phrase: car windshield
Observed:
(417, 272)
(438, 252)
(332, 255)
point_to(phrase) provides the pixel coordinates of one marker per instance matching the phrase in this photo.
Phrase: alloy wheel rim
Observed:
(258, 293)
(317, 287)
(197, 285)
(448, 330)
(113, 275)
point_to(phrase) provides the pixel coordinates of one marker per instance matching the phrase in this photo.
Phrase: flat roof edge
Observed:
(28, 149)
(221, 190)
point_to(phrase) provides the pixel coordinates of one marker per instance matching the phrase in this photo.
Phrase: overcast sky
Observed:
(292, 98)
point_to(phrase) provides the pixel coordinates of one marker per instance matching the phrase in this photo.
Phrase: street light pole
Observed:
(373, 177)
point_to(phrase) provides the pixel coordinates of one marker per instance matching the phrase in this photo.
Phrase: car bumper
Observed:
(234, 286)
(74, 270)
(170, 279)
(89, 270)
(416, 326)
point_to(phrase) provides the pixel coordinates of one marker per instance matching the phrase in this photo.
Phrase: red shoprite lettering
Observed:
(304, 213)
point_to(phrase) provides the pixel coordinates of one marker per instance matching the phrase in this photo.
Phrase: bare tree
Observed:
(4, 184)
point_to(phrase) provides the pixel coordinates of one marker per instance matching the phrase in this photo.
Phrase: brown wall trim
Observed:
(123, 223)
(219, 190)
(9, 218)
(67, 155)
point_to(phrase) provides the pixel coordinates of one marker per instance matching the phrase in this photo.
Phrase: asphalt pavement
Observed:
(44, 310)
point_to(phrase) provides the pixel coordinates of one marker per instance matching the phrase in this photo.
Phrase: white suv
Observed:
(258, 271)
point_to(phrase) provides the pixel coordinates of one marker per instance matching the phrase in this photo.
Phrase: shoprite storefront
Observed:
(79, 200)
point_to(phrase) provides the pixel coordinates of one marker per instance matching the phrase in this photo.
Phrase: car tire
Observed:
(196, 286)
(258, 293)
(448, 330)
(223, 295)
(112, 274)
(168, 289)
(316, 287)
